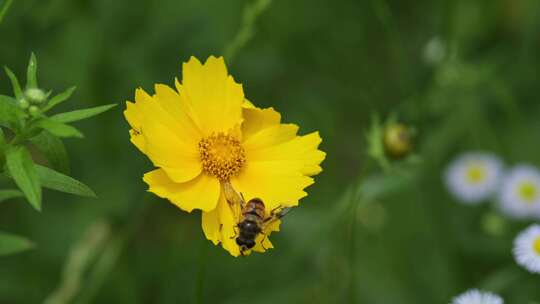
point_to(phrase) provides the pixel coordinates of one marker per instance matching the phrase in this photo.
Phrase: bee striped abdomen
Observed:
(250, 226)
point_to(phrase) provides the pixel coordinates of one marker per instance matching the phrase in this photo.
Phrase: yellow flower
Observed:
(205, 133)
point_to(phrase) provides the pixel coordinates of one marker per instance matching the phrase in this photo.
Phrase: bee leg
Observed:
(262, 242)
(235, 232)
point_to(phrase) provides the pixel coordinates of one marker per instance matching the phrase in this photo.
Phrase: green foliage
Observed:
(14, 83)
(57, 128)
(81, 114)
(9, 194)
(11, 244)
(24, 116)
(57, 181)
(53, 149)
(326, 66)
(56, 100)
(4, 7)
(21, 167)
(11, 116)
(31, 73)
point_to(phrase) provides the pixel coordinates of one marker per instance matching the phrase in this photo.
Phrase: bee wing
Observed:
(275, 215)
(236, 200)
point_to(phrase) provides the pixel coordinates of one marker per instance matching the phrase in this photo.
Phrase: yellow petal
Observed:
(262, 243)
(256, 120)
(134, 117)
(219, 226)
(248, 104)
(200, 193)
(215, 98)
(276, 183)
(137, 139)
(265, 139)
(179, 110)
(302, 150)
(165, 144)
(211, 225)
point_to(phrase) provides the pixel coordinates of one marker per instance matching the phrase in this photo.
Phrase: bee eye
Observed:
(250, 244)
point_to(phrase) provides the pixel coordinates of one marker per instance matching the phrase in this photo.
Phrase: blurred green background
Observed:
(464, 73)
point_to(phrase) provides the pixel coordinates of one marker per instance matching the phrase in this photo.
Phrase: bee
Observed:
(253, 220)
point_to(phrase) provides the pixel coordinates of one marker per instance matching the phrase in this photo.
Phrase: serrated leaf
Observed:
(23, 171)
(31, 72)
(81, 114)
(11, 115)
(11, 244)
(9, 194)
(14, 83)
(57, 128)
(56, 100)
(63, 183)
(53, 149)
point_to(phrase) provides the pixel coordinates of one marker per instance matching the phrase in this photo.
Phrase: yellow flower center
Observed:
(476, 174)
(221, 155)
(536, 245)
(528, 192)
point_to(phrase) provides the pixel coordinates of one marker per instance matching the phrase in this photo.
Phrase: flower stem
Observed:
(4, 9)
(201, 274)
(247, 29)
(81, 255)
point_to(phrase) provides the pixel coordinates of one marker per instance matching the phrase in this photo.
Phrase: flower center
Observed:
(476, 174)
(528, 192)
(536, 245)
(221, 155)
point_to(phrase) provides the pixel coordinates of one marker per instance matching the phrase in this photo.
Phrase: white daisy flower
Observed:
(477, 297)
(473, 177)
(527, 249)
(520, 192)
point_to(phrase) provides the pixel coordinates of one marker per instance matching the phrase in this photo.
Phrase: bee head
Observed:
(257, 201)
(245, 244)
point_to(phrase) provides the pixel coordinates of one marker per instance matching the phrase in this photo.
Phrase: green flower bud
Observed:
(34, 111)
(35, 95)
(23, 103)
(397, 140)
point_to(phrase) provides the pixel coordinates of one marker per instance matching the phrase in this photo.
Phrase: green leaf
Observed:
(31, 73)
(9, 194)
(11, 244)
(11, 115)
(14, 83)
(53, 149)
(56, 100)
(81, 114)
(57, 128)
(63, 183)
(22, 169)
(2, 140)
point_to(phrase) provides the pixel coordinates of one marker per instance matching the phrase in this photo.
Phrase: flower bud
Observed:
(23, 103)
(397, 140)
(35, 95)
(34, 111)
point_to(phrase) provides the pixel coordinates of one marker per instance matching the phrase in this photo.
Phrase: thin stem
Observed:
(201, 274)
(352, 251)
(80, 257)
(247, 29)
(4, 9)
(113, 250)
